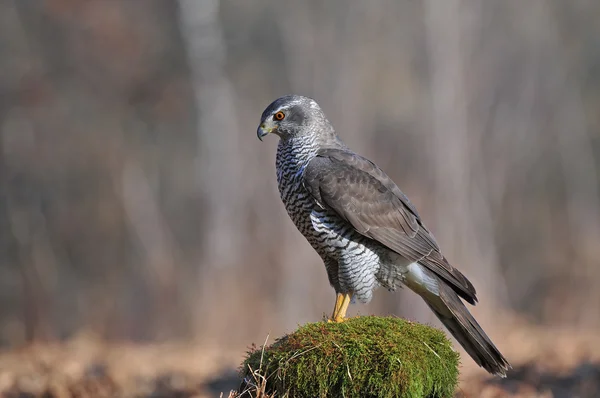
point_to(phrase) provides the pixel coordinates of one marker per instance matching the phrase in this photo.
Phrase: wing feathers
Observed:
(363, 195)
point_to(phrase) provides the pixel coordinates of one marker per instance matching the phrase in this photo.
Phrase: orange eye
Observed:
(279, 116)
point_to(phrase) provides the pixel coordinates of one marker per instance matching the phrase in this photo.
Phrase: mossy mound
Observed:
(361, 357)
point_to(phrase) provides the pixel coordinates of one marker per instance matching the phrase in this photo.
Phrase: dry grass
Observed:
(86, 367)
(548, 362)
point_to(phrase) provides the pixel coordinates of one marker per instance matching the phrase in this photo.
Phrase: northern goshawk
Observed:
(364, 228)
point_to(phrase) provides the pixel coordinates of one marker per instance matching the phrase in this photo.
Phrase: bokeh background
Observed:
(138, 207)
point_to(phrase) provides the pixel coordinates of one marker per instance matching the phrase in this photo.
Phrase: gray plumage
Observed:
(365, 229)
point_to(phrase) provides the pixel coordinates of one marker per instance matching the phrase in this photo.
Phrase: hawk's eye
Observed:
(279, 116)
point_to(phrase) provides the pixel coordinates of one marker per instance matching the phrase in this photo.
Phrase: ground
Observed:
(549, 362)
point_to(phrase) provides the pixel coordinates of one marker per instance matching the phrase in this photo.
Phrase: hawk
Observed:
(364, 228)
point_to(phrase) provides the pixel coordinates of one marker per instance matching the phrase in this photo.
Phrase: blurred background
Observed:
(138, 207)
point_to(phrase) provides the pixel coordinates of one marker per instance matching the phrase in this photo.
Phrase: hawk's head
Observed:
(291, 116)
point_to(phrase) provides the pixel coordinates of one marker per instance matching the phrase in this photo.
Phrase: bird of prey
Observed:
(365, 229)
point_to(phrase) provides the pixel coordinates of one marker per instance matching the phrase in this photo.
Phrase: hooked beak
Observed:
(264, 129)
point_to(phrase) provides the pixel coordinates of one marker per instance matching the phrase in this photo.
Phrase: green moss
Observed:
(361, 357)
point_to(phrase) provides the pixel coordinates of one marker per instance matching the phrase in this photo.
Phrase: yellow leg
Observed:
(342, 301)
(339, 298)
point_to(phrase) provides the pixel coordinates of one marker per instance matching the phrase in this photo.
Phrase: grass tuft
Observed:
(361, 357)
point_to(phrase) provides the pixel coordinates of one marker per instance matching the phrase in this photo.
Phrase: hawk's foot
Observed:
(342, 301)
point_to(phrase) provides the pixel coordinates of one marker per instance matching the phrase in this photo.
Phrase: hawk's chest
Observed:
(297, 200)
(329, 235)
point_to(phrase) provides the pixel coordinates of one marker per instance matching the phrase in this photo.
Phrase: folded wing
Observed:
(363, 195)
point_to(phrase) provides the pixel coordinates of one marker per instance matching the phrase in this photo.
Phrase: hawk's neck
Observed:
(298, 151)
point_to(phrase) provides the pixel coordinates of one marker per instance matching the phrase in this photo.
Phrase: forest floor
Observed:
(548, 363)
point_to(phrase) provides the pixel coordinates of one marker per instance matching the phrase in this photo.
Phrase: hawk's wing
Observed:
(362, 194)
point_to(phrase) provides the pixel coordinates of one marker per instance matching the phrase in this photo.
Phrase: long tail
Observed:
(449, 308)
